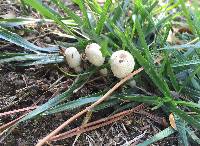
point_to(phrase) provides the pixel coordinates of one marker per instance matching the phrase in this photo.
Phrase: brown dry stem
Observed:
(53, 133)
(96, 124)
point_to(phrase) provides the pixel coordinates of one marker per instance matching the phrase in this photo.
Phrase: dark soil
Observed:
(23, 87)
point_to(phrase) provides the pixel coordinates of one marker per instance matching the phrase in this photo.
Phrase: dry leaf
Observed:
(172, 121)
(172, 38)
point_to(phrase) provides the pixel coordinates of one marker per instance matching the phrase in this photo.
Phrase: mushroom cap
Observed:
(73, 57)
(132, 83)
(103, 71)
(122, 63)
(94, 54)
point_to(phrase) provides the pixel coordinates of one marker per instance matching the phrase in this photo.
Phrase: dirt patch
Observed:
(23, 87)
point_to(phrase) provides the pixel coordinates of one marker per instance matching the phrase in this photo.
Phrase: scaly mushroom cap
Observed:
(73, 57)
(122, 63)
(94, 54)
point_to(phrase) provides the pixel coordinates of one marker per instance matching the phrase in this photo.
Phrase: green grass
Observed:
(111, 27)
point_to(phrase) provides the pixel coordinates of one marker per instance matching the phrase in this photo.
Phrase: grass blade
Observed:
(189, 119)
(103, 16)
(188, 104)
(94, 6)
(141, 98)
(56, 100)
(47, 12)
(181, 128)
(188, 17)
(185, 46)
(46, 60)
(30, 57)
(83, 9)
(72, 105)
(151, 71)
(165, 133)
(18, 40)
(186, 63)
(69, 12)
(193, 135)
(14, 22)
(172, 76)
(142, 40)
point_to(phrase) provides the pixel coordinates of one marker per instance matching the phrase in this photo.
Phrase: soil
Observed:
(22, 87)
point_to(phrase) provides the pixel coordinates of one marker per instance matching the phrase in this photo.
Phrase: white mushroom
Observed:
(122, 63)
(73, 58)
(132, 83)
(94, 54)
(103, 71)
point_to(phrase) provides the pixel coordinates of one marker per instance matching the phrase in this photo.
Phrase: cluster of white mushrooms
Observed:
(122, 62)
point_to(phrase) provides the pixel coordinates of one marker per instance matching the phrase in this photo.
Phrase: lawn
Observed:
(99, 72)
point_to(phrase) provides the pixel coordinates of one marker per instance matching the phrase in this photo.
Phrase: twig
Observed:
(96, 124)
(41, 142)
(5, 126)
(17, 111)
(58, 80)
(85, 121)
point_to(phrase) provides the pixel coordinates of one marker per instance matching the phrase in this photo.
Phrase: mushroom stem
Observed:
(78, 69)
